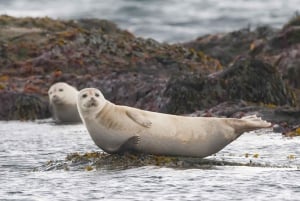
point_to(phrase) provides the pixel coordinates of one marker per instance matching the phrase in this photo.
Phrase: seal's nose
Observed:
(54, 97)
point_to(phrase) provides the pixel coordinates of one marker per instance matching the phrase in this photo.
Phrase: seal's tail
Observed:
(249, 123)
(256, 121)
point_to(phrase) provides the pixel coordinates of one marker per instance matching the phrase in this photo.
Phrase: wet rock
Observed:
(278, 128)
(293, 133)
(100, 160)
(19, 106)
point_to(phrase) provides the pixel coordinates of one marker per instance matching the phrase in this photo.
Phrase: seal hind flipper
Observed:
(138, 118)
(128, 145)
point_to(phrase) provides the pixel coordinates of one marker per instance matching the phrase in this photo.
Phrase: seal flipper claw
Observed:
(136, 117)
(128, 145)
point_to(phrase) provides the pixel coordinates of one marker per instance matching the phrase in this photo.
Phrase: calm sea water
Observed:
(25, 146)
(167, 20)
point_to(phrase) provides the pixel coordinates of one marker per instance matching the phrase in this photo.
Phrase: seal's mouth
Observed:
(91, 103)
(56, 100)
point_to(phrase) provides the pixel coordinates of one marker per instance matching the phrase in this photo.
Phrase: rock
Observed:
(180, 79)
(256, 81)
(280, 48)
(227, 46)
(93, 53)
(263, 41)
(288, 36)
(19, 106)
(100, 160)
(278, 128)
(247, 79)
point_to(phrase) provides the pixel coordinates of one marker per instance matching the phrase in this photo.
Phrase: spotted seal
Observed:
(116, 129)
(63, 99)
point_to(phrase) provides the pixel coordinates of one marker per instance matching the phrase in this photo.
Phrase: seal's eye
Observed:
(60, 90)
(96, 94)
(84, 96)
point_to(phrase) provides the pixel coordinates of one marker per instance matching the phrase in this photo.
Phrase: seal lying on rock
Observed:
(117, 129)
(63, 99)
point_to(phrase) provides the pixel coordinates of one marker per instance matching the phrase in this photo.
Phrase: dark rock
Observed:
(100, 160)
(278, 128)
(246, 79)
(256, 81)
(286, 37)
(19, 106)
(280, 48)
(227, 46)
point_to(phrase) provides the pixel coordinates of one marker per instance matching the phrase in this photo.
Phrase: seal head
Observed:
(90, 101)
(63, 97)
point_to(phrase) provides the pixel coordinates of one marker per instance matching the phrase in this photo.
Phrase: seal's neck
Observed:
(104, 109)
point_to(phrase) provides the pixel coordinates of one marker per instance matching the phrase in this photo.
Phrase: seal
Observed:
(63, 98)
(118, 129)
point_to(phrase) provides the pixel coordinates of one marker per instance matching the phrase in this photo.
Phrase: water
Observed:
(25, 146)
(167, 20)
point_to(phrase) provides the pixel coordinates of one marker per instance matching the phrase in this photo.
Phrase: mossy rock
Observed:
(100, 160)
(256, 81)
(288, 36)
(247, 79)
(189, 93)
(19, 106)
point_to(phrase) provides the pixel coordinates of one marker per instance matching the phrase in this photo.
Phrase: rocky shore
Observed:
(230, 74)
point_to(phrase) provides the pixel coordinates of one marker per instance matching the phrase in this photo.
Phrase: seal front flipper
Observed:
(129, 145)
(138, 118)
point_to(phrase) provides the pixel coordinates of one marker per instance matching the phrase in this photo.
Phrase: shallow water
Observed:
(25, 146)
(168, 20)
